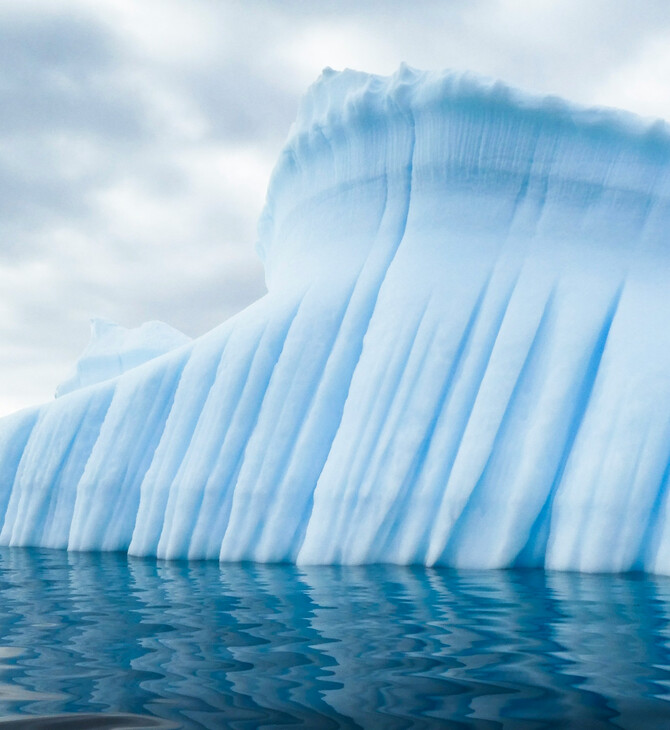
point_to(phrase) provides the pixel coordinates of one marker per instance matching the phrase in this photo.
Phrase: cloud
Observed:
(136, 139)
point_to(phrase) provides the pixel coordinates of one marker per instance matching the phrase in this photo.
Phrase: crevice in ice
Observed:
(457, 429)
(174, 444)
(262, 535)
(59, 509)
(215, 499)
(471, 501)
(184, 531)
(359, 477)
(39, 482)
(107, 495)
(35, 506)
(126, 506)
(647, 550)
(209, 447)
(390, 532)
(363, 312)
(386, 382)
(12, 448)
(232, 492)
(534, 551)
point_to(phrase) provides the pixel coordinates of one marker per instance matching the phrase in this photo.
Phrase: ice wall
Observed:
(463, 357)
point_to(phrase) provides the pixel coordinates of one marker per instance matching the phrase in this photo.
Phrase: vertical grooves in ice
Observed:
(196, 383)
(463, 356)
(535, 548)
(232, 412)
(15, 432)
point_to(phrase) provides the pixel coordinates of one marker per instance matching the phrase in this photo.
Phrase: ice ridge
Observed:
(463, 357)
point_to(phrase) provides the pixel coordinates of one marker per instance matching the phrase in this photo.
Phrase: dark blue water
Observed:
(105, 641)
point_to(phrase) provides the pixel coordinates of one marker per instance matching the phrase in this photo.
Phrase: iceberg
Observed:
(463, 357)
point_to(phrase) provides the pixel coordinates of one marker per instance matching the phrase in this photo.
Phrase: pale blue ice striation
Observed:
(463, 357)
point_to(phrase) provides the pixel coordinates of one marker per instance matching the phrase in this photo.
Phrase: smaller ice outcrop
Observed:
(114, 349)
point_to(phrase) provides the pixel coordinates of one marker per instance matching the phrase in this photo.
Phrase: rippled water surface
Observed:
(106, 641)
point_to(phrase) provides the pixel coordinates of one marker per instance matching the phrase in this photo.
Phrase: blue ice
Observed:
(463, 357)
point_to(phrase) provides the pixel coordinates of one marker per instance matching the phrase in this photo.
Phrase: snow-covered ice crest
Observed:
(463, 357)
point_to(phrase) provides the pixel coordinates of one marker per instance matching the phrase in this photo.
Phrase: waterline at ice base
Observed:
(463, 357)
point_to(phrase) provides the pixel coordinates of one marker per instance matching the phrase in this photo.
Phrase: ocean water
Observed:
(103, 640)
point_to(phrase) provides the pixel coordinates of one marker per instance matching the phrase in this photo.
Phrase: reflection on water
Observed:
(243, 646)
(85, 721)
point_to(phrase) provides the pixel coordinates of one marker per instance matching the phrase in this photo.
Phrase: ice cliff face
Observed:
(463, 357)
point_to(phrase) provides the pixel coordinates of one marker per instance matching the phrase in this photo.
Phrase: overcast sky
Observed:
(137, 137)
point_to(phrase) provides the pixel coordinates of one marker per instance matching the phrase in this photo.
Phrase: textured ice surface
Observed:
(113, 350)
(463, 357)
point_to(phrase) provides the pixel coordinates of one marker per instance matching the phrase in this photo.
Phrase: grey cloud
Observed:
(57, 81)
(242, 107)
(56, 72)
